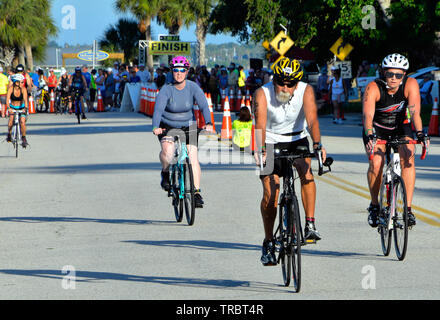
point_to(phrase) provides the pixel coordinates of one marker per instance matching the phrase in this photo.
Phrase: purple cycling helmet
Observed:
(180, 61)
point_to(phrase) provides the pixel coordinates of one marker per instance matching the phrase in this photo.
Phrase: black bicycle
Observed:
(289, 236)
(77, 104)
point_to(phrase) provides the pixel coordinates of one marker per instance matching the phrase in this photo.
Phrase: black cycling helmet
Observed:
(19, 68)
(78, 69)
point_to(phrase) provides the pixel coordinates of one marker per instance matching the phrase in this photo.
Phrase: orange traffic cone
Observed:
(238, 101)
(231, 99)
(433, 123)
(31, 105)
(248, 104)
(142, 100)
(226, 133)
(199, 116)
(208, 97)
(52, 102)
(100, 107)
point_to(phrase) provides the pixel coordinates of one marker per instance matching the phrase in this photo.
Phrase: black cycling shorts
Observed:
(402, 131)
(279, 164)
(194, 141)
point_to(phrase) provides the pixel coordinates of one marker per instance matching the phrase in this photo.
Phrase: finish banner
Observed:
(169, 48)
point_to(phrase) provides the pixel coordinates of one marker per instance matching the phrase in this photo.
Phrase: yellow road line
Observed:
(367, 196)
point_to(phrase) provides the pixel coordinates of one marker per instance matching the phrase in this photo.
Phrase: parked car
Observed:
(420, 74)
(311, 72)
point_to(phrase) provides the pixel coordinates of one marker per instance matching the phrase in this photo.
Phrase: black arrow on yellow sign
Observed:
(282, 40)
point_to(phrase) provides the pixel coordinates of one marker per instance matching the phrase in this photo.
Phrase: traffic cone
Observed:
(208, 97)
(100, 107)
(149, 101)
(226, 133)
(199, 116)
(248, 104)
(142, 101)
(248, 94)
(231, 100)
(433, 123)
(153, 103)
(31, 105)
(223, 98)
(52, 102)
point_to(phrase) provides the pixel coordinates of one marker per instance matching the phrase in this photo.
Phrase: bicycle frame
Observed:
(181, 153)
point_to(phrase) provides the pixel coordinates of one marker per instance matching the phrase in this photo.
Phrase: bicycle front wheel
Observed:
(177, 202)
(400, 218)
(296, 246)
(189, 200)
(383, 227)
(285, 218)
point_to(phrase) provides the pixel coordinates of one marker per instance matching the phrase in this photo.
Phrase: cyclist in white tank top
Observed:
(285, 113)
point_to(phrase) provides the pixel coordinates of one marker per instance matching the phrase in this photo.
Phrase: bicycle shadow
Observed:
(86, 220)
(98, 277)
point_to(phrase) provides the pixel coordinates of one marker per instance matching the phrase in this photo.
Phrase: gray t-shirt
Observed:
(175, 107)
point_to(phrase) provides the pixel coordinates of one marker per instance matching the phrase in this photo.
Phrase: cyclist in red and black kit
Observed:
(390, 104)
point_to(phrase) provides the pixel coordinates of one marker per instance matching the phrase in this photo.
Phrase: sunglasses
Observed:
(389, 75)
(288, 84)
(182, 70)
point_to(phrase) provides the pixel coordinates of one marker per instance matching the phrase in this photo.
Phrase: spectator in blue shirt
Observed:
(134, 78)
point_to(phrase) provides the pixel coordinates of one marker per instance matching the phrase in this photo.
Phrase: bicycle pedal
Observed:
(311, 241)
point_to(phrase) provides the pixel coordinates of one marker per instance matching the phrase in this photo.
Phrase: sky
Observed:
(82, 21)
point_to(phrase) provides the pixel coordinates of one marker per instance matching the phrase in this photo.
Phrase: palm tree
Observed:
(144, 11)
(124, 36)
(25, 24)
(174, 14)
(202, 10)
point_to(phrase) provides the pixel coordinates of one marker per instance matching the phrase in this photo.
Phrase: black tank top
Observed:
(390, 109)
(15, 98)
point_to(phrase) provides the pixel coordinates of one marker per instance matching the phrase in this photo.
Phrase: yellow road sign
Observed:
(169, 48)
(341, 49)
(281, 43)
(273, 64)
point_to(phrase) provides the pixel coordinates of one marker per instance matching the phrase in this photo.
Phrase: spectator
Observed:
(363, 69)
(242, 129)
(4, 81)
(110, 86)
(223, 79)
(338, 93)
(52, 81)
(100, 82)
(93, 88)
(251, 82)
(425, 89)
(88, 77)
(160, 79)
(372, 70)
(116, 68)
(232, 78)
(134, 78)
(322, 85)
(213, 85)
(191, 74)
(143, 74)
(241, 82)
(117, 96)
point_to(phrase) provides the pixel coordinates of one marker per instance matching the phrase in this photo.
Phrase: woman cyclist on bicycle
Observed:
(174, 110)
(18, 97)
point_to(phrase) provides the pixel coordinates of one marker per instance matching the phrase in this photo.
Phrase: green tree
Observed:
(26, 25)
(123, 36)
(144, 11)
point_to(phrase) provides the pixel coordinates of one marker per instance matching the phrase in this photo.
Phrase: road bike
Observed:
(16, 129)
(182, 188)
(61, 101)
(77, 104)
(42, 99)
(289, 235)
(393, 212)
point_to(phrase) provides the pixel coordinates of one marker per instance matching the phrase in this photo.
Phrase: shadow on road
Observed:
(91, 276)
(199, 244)
(83, 220)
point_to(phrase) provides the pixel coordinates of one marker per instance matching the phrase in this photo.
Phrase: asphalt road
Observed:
(83, 217)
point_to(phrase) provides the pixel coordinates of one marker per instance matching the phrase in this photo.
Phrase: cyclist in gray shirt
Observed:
(174, 110)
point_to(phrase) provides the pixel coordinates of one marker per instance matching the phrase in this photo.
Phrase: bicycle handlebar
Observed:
(302, 155)
(396, 142)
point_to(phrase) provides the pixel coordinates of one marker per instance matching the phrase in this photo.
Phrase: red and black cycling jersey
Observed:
(391, 109)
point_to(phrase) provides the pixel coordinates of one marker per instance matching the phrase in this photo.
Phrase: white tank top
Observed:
(337, 86)
(285, 118)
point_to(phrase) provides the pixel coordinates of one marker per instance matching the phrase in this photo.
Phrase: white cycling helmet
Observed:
(17, 77)
(395, 61)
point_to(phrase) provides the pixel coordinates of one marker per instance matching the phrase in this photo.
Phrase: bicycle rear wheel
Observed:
(384, 203)
(14, 135)
(296, 246)
(175, 191)
(189, 200)
(400, 218)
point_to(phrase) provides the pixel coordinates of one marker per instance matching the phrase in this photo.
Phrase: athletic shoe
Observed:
(24, 142)
(411, 218)
(373, 219)
(198, 200)
(165, 182)
(268, 253)
(310, 231)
